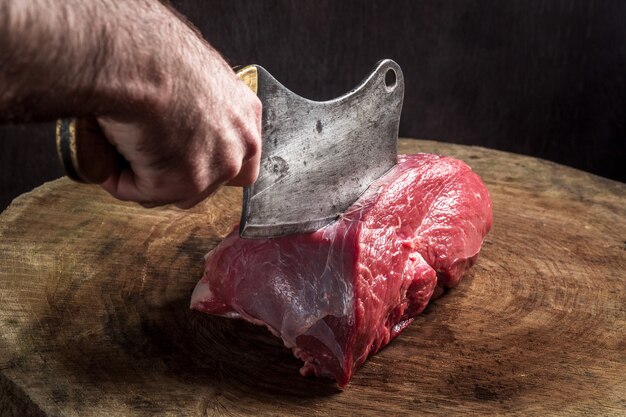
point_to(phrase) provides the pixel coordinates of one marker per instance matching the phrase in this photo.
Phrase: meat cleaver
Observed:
(317, 157)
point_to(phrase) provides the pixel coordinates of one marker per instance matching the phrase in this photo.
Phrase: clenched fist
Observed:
(163, 96)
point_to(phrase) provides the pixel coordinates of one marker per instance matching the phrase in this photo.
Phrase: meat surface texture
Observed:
(339, 294)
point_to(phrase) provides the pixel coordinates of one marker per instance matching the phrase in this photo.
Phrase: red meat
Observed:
(338, 295)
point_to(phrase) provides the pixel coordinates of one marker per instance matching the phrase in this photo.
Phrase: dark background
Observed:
(544, 78)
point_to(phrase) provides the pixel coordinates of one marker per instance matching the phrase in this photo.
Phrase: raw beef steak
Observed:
(337, 295)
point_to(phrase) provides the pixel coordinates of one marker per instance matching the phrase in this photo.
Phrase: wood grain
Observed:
(94, 316)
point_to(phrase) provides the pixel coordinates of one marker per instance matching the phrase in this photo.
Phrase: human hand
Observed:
(197, 128)
(164, 97)
(182, 150)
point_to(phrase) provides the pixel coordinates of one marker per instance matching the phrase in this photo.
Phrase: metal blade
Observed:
(317, 158)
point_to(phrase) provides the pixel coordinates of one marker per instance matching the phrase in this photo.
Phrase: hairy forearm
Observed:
(63, 58)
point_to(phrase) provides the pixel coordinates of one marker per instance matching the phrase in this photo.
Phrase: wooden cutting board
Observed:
(94, 317)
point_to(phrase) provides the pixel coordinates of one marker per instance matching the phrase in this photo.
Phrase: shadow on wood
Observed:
(94, 316)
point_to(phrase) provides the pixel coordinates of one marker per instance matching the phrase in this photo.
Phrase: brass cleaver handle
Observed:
(250, 76)
(86, 154)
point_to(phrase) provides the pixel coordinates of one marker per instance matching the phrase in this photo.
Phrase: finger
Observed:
(249, 170)
(151, 205)
(191, 202)
(122, 186)
(248, 173)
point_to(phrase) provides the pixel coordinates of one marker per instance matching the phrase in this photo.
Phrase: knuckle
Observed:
(197, 183)
(250, 141)
(253, 146)
(257, 107)
(230, 168)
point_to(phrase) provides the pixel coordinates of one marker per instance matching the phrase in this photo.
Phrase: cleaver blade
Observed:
(318, 157)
